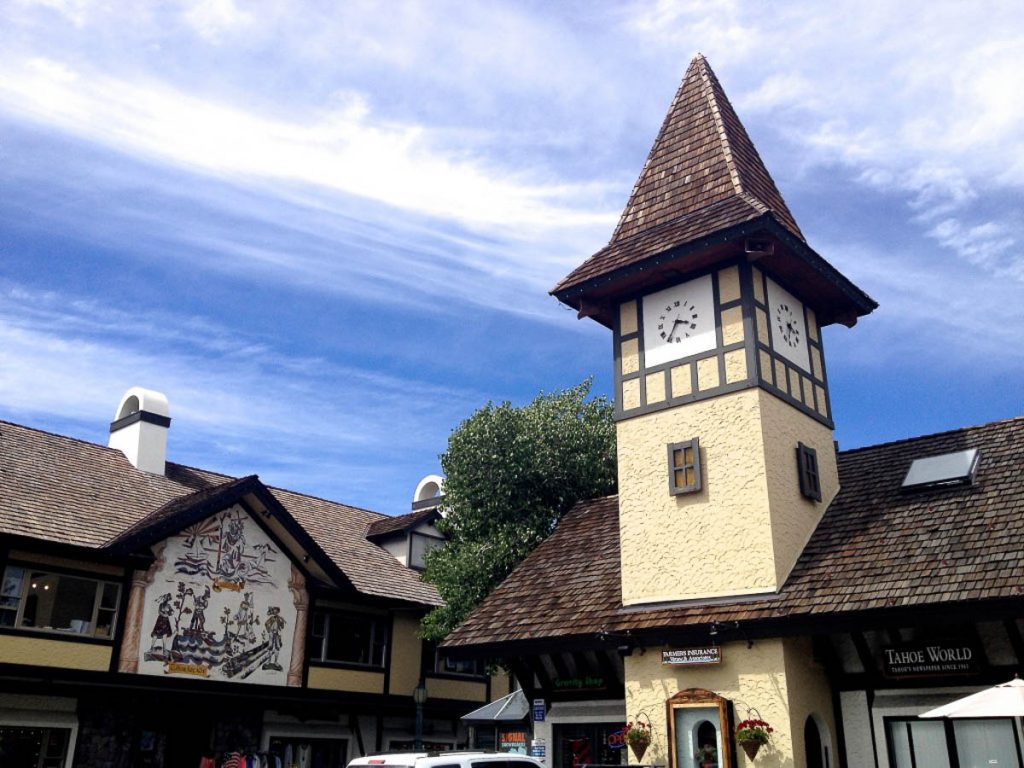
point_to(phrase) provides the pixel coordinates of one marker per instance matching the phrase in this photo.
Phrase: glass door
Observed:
(977, 743)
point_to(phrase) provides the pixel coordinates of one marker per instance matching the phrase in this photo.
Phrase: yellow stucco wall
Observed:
(793, 517)
(44, 652)
(335, 679)
(742, 533)
(809, 694)
(406, 653)
(776, 677)
(463, 690)
(673, 547)
(500, 685)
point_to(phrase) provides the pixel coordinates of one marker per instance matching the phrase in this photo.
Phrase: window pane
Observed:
(110, 594)
(59, 602)
(689, 477)
(929, 742)
(680, 478)
(688, 456)
(355, 639)
(420, 545)
(105, 623)
(677, 458)
(899, 740)
(319, 623)
(985, 743)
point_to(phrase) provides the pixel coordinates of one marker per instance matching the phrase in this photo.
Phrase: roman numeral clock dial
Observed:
(679, 321)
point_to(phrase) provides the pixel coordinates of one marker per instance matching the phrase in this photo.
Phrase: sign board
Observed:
(617, 739)
(512, 741)
(538, 748)
(930, 659)
(539, 710)
(588, 683)
(708, 654)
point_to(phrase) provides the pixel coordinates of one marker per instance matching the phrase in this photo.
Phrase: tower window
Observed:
(684, 467)
(807, 470)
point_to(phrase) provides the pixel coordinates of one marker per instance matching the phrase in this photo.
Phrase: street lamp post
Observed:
(419, 695)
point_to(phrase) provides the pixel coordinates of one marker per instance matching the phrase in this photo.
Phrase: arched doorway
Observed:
(816, 744)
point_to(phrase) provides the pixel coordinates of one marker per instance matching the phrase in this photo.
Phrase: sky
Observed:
(327, 231)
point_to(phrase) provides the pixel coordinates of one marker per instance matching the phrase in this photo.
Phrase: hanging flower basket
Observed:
(752, 734)
(639, 734)
(751, 748)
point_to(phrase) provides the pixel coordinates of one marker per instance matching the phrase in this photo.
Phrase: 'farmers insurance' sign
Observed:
(934, 659)
(711, 654)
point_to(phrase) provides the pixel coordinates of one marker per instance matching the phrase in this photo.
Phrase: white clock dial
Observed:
(789, 332)
(679, 322)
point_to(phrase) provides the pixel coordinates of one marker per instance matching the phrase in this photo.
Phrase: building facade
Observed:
(747, 570)
(153, 614)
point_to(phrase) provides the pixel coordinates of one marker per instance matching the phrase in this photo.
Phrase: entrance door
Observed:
(586, 744)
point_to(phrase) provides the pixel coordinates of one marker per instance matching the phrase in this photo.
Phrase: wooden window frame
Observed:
(316, 648)
(699, 698)
(808, 472)
(97, 605)
(693, 446)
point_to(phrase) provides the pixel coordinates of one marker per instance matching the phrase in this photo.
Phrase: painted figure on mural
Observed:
(198, 624)
(273, 627)
(244, 620)
(232, 549)
(162, 626)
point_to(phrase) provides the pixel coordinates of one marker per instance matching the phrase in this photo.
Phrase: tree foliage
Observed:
(510, 474)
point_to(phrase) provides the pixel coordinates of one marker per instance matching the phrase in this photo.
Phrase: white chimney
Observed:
(429, 492)
(139, 429)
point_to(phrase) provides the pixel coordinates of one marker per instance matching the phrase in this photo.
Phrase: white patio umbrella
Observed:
(1003, 700)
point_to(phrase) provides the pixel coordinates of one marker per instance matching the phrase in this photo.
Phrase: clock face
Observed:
(679, 322)
(789, 332)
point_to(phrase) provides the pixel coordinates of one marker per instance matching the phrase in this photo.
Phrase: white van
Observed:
(468, 759)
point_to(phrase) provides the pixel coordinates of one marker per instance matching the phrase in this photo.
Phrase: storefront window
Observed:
(928, 743)
(42, 600)
(22, 747)
(314, 753)
(586, 743)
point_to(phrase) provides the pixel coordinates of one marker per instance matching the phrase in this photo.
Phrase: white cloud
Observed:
(340, 148)
(231, 394)
(213, 18)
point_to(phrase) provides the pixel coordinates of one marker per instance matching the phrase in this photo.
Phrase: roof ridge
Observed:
(666, 125)
(929, 435)
(6, 422)
(723, 136)
(325, 499)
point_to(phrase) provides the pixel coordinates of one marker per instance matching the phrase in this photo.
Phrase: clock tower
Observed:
(716, 304)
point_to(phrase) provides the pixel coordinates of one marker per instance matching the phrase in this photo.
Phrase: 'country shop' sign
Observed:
(929, 659)
(709, 654)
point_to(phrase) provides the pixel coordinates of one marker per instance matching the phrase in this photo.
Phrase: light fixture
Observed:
(419, 697)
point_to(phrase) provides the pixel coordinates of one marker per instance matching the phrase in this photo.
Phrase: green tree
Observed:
(510, 475)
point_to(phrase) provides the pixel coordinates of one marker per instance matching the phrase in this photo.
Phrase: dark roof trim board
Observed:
(389, 526)
(765, 222)
(187, 510)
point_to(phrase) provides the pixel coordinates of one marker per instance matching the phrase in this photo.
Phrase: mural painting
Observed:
(219, 605)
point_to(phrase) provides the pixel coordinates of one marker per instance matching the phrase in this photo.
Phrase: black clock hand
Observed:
(674, 325)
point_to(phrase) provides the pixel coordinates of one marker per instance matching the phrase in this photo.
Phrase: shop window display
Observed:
(55, 602)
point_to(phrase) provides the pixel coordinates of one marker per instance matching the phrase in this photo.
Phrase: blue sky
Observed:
(327, 230)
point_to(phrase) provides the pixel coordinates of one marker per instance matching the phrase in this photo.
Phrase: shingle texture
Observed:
(400, 523)
(875, 548)
(65, 490)
(702, 176)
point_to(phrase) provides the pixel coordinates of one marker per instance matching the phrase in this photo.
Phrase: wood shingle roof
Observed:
(876, 549)
(69, 491)
(703, 175)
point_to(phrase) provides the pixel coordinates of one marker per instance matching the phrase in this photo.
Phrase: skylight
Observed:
(949, 469)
